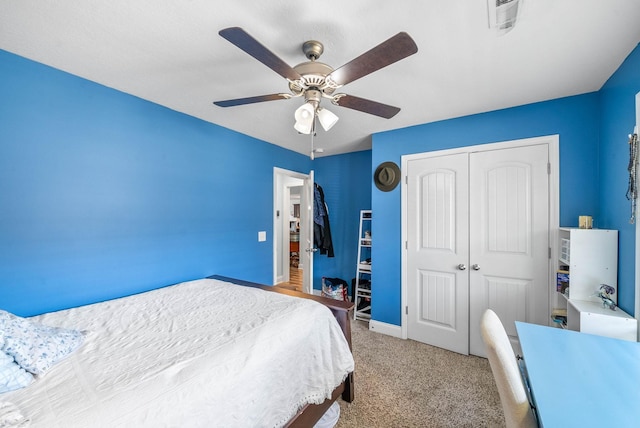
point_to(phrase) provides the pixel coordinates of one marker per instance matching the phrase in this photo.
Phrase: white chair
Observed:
(513, 396)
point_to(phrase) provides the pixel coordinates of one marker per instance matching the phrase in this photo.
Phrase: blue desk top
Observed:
(581, 380)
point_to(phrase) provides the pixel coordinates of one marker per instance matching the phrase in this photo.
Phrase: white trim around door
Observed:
(553, 142)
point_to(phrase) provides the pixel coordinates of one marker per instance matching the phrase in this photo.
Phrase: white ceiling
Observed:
(169, 52)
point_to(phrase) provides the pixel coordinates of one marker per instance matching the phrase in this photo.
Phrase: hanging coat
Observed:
(321, 228)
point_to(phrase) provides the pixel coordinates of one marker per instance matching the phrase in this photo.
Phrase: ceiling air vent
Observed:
(503, 14)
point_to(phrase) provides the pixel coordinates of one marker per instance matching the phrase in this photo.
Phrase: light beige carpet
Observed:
(404, 383)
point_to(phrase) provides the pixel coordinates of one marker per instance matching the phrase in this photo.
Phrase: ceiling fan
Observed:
(315, 80)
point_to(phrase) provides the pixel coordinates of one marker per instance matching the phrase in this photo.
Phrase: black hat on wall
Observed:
(387, 176)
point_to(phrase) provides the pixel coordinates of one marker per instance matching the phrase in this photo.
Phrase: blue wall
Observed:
(346, 181)
(617, 119)
(574, 119)
(590, 173)
(104, 194)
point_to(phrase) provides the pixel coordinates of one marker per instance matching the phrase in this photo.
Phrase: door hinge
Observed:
(549, 253)
(548, 168)
(406, 310)
(406, 245)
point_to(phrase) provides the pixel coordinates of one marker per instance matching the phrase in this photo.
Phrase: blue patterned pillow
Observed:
(12, 376)
(36, 347)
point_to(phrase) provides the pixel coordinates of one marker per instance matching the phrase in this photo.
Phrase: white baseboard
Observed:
(384, 328)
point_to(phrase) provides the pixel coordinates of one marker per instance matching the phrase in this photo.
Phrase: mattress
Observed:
(203, 353)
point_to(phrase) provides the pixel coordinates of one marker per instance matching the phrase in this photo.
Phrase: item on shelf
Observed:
(559, 317)
(364, 305)
(585, 222)
(559, 311)
(562, 281)
(560, 320)
(364, 284)
(604, 293)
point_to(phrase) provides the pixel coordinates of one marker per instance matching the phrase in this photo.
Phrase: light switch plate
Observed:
(262, 236)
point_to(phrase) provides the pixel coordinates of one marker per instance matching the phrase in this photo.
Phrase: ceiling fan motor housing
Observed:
(314, 75)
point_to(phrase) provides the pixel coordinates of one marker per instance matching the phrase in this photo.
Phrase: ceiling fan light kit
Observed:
(315, 80)
(305, 114)
(304, 118)
(327, 119)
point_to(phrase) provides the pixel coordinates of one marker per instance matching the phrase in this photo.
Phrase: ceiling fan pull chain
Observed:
(313, 131)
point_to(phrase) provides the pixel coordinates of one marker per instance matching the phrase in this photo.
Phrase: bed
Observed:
(205, 353)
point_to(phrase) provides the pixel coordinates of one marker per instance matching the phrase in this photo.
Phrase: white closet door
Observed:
(438, 250)
(509, 239)
(477, 238)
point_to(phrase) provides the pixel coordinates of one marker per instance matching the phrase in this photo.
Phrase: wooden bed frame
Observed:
(343, 312)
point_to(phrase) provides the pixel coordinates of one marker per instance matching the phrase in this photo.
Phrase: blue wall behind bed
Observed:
(103, 194)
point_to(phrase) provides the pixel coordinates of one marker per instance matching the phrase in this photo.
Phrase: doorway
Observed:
(293, 234)
(478, 223)
(296, 266)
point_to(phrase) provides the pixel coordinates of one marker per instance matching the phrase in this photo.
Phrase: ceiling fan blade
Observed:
(394, 49)
(244, 41)
(366, 106)
(251, 100)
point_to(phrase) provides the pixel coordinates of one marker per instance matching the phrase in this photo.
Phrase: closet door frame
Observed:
(554, 207)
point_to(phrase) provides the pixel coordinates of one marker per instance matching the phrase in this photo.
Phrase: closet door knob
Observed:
(462, 266)
(475, 267)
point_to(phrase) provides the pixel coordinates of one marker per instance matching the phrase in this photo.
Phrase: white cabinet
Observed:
(363, 269)
(593, 318)
(591, 256)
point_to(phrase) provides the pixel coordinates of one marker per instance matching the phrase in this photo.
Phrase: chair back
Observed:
(513, 396)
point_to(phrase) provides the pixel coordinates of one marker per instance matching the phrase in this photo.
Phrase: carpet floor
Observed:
(404, 383)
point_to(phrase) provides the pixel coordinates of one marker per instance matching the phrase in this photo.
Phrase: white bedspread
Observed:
(203, 353)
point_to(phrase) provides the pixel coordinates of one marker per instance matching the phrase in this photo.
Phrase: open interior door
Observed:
(306, 233)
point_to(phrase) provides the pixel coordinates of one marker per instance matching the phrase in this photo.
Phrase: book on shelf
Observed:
(562, 280)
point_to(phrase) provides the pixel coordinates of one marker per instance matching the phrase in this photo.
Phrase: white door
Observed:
(438, 248)
(283, 180)
(477, 238)
(306, 233)
(509, 238)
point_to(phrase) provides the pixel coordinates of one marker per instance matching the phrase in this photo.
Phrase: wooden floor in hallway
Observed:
(295, 279)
